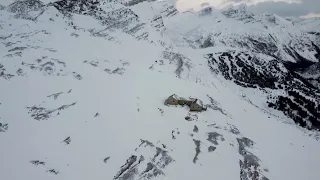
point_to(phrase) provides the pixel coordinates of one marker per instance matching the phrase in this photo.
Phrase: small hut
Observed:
(183, 101)
(197, 105)
(194, 104)
(172, 100)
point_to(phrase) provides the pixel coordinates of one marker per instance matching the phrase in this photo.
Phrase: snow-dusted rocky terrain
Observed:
(83, 85)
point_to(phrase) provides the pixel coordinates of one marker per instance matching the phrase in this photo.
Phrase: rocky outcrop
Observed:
(250, 165)
(90, 7)
(141, 166)
(110, 14)
(27, 9)
(301, 99)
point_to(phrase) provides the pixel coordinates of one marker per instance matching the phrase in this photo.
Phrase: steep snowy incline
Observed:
(82, 97)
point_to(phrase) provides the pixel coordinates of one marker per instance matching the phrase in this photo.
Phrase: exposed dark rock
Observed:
(213, 137)
(312, 74)
(118, 71)
(46, 66)
(180, 60)
(197, 143)
(207, 43)
(55, 95)
(149, 167)
(74, 34)
(215, 105)
(53, 171)
(120, 18)
(92, 63)
(211, 148)
(191, 117)
(253, 72)
(161, 111)
(67, 141)
(14, 54)
(173, 136)
(59, 62)
(301, 109)
(206, 11)
(105, 160)
(300, 65)
(3, 127)
(27, 9)
(239, 13)
(134, 2)
(153, 164)
(3, 73)
(126, 166)
(17, 49)
(41, 113)
(195, 129)
(5, 38)
(37, 162)
(77, 6)
(170, 11)
(146, 143)
(20, 72)
(157, 23)
(77, 76)
(250, 165)
(234, 130)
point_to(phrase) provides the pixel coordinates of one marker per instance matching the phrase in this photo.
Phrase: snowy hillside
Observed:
(83, 85)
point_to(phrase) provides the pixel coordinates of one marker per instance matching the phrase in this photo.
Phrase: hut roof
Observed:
(175, 96)
(199, 102)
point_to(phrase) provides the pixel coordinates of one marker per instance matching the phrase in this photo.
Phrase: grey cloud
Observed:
(287, 9)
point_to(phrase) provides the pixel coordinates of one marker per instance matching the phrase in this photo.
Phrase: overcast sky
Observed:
(296, 8)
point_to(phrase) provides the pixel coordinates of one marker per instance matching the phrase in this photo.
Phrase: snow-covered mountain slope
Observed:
(312, 28)
(312, 74)
(83, 85)
(266, 33)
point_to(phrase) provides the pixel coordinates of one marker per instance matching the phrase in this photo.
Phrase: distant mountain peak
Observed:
(238, 12)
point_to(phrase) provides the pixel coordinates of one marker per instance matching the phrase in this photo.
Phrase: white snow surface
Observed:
(116, 86)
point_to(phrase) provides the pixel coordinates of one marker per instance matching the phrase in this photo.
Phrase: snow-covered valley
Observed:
(83, 85)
